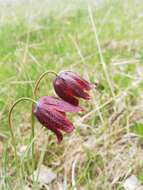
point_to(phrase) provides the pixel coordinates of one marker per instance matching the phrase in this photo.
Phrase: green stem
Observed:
(40, 78)
(32, 136)
(10, 121)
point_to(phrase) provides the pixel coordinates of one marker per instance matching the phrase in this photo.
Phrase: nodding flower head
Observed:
(50, 112)
(70, 86)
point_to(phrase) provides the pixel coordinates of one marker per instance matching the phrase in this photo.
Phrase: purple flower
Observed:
(50, 111)
(70, 86)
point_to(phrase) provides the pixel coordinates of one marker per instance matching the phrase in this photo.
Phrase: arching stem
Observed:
(10, 120)
(40, 78)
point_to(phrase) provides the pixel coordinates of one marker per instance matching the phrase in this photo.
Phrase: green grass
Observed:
(66, 40)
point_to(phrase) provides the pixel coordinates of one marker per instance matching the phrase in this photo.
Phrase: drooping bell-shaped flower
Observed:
(70, 86)
(50, 112)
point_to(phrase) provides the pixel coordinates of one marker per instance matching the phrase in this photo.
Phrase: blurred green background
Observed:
(36, 36)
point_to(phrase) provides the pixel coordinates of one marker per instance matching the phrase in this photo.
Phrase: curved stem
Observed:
(40, 78)
(10, 120)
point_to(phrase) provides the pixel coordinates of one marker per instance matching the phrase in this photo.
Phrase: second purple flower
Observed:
(70, 86)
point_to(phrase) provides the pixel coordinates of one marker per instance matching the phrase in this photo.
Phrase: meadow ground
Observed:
(103, 44)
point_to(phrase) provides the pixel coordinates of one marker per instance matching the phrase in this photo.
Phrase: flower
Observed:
(70, 86)
(50, 111)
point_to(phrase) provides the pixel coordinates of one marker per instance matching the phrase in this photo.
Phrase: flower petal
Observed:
(50, 117)
(57, 133)
(60, 105)
(60, 121)
(78, 91)
(70, 86)
(64, 92)
(82, 82)
(74, 88)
